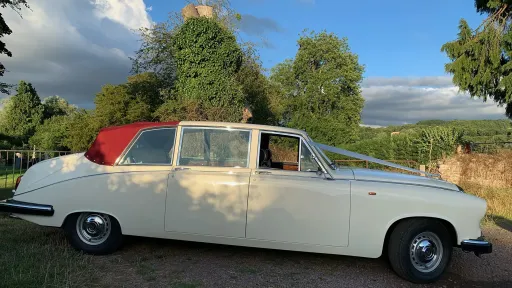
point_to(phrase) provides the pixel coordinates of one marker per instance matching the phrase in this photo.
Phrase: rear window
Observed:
(152, 147)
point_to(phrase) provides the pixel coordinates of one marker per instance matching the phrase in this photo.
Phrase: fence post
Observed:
(366, 164)
(422, 168)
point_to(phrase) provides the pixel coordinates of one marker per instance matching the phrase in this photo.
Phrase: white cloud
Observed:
(73, 47)
(408, 103)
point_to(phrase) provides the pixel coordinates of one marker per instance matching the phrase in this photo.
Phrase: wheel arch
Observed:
(446, 223)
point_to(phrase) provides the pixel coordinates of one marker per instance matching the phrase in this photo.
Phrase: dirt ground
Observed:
(162, 263)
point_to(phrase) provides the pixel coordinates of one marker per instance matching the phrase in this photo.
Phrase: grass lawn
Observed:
(5, 193)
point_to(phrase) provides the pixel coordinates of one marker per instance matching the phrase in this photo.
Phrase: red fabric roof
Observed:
(111, 141)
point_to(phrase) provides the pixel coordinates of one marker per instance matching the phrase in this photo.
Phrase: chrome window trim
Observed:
(225, 128)
(136, 137)
(301, 139)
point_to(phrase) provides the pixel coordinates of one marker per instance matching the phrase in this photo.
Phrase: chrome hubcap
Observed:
(426, 252)
(93, 228)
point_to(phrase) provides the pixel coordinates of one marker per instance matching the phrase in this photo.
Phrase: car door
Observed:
(139, 181)
(296, 205)
(208, 189)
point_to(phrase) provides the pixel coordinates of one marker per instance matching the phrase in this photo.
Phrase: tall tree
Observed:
(133, 101)
(480, 58)
(57, 106)
(22, 113)
(321, 88)
(80, 130)
(15, 5)
(51, 134)
(208, 58)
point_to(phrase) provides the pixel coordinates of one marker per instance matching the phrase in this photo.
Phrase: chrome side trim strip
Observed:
(410, 184)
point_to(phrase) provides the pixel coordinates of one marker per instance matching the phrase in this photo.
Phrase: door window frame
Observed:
(225, 128)
(301, 141)
(134, 140)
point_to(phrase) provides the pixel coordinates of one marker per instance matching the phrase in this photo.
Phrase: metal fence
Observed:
(488, 147)
(14, 163)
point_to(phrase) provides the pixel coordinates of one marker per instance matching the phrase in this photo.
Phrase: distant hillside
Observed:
(472, 130)
(428, 140)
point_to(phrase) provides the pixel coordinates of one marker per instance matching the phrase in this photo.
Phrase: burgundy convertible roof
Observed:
(111, 141)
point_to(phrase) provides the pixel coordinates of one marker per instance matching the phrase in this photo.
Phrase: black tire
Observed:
(400, 249)
(110, 244)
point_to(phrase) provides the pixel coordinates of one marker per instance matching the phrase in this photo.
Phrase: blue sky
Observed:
(72, 48)
(392, 38)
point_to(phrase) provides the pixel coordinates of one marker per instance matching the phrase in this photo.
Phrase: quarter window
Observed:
(308, 162)
(152, 147)
(214, 147)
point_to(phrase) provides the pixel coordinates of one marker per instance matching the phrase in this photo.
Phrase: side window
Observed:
(308, 162)
(152, 147)
(214, 147)
(279, 151)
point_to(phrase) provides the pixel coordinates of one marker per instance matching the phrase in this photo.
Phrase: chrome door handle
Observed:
(263, 172)
(181, 168)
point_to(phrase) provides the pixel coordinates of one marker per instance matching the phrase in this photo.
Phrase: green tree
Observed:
(207, 60)
(256, 88)
(57, 106)
(130, 102)
(15, 5)
(81, 129)
(480, 58)
(22, 113)
(51, 134)
(321, 89)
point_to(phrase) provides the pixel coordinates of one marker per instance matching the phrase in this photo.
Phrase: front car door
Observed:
(208, 189)
(290, 201)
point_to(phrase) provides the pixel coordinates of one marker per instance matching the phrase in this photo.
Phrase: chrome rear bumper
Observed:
(19, 207)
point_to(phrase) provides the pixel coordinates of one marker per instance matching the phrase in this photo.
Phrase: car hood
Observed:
(392, 177)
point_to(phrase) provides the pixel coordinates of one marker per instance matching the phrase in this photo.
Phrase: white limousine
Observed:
(248, 185)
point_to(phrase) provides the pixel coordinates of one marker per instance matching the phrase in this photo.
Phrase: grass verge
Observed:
(499, 201)
(34, 256)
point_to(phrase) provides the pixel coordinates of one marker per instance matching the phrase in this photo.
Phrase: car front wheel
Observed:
(93, 233)
(420, 250)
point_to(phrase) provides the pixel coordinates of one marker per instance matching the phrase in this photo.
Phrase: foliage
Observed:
(51, 134)
(22, 113)
(256, 87)
(81, 130)
(207, 59)
(156, 54)
(15, 5)
(480, 58)
(321, 89)
(133, 101)
(57, 106)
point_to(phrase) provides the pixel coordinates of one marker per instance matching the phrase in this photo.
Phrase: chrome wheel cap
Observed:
(93, 228)
(426, 252)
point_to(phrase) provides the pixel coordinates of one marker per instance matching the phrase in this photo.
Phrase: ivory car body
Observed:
(247, 185)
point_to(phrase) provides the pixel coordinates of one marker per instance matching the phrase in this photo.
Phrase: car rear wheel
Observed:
(93, 233)
(419, 250)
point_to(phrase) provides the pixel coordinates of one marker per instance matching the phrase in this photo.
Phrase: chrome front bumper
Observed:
(18, 207)
(479, 246)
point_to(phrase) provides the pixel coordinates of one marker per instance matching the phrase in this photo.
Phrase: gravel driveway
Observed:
(163, 263)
